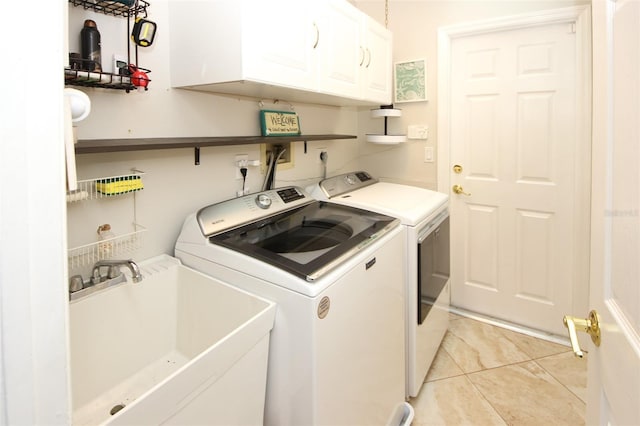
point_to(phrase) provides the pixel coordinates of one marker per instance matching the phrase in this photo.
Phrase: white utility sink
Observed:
(177, 348)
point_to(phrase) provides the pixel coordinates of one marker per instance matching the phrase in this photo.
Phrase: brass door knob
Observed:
(589, 325)
(457, 168)
(458, 189)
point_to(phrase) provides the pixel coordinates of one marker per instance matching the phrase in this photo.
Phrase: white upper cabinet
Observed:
(376, 70)
(339, 48)
(325, 52)
(277, 40)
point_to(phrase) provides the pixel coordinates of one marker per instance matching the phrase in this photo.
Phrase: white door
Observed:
(515, 238)
(614, 366)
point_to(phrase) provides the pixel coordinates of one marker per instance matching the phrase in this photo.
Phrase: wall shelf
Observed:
(91, 146)
(112, 7)
(105, 80)
(77, 75)
(386, 111)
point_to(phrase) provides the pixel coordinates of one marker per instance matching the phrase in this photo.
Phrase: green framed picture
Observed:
(410, 81)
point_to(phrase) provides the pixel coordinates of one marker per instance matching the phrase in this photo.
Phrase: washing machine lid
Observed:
(410, 204)
(310, 240)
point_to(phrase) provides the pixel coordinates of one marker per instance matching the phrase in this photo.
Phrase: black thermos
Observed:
(90, 46)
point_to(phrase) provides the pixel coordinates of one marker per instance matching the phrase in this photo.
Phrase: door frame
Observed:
(581, 15)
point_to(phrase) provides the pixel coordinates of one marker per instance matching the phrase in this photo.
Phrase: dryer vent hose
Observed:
(272, 162)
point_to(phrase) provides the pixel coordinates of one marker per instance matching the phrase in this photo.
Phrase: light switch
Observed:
(428, 154)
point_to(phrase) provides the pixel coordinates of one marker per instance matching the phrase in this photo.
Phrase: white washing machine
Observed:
(425, 218)
(337, 351)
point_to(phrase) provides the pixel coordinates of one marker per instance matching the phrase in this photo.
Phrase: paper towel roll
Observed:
(77, 195)
(79, 102)
(77, 107)
(69, 147)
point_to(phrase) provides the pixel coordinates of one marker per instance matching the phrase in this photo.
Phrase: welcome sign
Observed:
(279, 123)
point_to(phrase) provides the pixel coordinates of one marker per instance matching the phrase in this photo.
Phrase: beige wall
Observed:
(174, 186)
(414, 25)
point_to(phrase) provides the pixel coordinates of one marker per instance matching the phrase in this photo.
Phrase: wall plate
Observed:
(418, 131)
(120, 64)
(286, 161)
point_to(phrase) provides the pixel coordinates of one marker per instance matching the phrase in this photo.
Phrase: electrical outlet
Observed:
(240, 159)
(120, 64)
(418, 131)
(317, 152)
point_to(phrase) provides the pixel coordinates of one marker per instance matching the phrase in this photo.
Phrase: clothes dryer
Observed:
(424, 215)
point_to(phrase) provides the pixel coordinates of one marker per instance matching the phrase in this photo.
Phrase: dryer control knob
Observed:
(263, 201)
(351, 179)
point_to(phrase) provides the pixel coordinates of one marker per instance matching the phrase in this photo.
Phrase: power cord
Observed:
(324, 157)
(243, 171)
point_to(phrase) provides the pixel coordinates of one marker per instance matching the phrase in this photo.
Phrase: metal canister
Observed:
(90, 46)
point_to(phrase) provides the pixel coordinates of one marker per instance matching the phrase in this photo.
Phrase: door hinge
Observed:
(573, 28)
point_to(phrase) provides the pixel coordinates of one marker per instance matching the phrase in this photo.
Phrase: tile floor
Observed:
(487, 375)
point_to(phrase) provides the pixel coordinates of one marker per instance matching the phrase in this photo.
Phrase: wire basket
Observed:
(114, 8)
(106, 187)
(121, 246)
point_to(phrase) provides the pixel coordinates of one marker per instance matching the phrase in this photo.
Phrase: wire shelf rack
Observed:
(121, 246)
(105, 187)
(81, 72)
(115, 8)
(105, 80)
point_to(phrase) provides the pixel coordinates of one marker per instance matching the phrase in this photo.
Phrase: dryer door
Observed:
(433, 264)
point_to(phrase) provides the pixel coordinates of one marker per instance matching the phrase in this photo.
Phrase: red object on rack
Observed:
(139, 78)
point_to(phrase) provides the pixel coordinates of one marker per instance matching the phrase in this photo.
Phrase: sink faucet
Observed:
(113, 264)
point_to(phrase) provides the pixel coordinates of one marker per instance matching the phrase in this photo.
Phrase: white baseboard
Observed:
(562, 340)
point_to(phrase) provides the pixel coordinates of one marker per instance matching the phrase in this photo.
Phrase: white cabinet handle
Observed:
(315, 44)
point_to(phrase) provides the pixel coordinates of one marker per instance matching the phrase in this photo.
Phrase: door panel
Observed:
(614, 366)
(377, 62)
(283, 50)
(481, 251)
(534, 236)
(339, 48)
(535, 150)
(513, 120)
(481, 138)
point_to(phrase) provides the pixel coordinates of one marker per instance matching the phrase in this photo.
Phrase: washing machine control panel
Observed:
(236, 212)
(291, 194)
(341, 184)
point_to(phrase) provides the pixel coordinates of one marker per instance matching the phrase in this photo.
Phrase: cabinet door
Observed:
(339, 48)
(278, 40)
(376, 70)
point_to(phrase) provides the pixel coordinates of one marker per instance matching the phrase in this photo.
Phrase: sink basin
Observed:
(177, 348)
